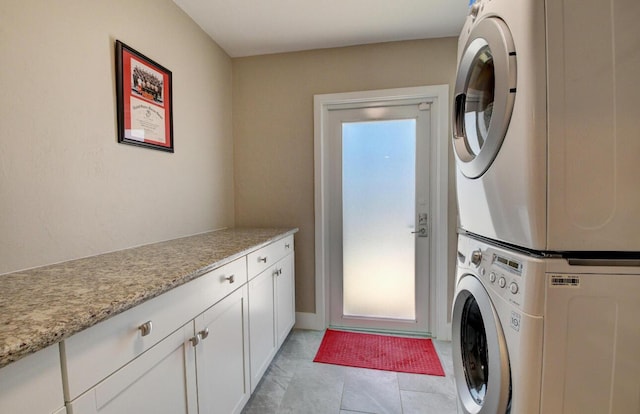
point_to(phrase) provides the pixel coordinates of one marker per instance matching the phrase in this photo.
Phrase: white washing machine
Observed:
(497, 330)
(546, 125)
(544, 335)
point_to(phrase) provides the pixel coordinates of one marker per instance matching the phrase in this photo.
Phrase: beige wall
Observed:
(273, 128)
(67, 188)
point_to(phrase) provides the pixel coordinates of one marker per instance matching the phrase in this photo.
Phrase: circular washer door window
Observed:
(480, 360)
(484, 96)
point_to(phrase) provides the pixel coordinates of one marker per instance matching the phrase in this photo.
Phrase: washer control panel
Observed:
(503, 274)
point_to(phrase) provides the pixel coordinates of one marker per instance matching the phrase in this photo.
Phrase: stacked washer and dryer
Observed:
(546, 134)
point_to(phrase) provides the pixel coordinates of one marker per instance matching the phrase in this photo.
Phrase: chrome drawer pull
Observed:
(262, 259)
(287, 246)
(146, 328)
(231, 278)
(195, 340)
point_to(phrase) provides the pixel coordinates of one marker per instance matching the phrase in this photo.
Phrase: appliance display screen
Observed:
(508, 263)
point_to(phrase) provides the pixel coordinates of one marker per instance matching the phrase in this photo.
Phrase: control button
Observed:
(513, 287)
(492, 277)
(476, 257)
(482, 271)
(502, 282)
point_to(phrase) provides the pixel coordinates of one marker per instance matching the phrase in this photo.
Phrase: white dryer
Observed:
(533, 334)
(546, 124)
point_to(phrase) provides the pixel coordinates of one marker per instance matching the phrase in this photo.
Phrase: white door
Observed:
(379, 216)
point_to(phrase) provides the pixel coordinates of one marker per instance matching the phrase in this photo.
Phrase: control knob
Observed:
(513, 287)
(476, 257)
(475, 8)
(502, 282)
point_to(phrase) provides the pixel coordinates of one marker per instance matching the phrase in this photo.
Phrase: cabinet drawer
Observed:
(262, 258)
(93, 354)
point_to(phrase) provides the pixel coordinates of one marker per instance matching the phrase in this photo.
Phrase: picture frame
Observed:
(145, 100)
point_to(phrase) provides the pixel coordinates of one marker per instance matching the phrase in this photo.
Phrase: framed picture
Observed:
(143, 89)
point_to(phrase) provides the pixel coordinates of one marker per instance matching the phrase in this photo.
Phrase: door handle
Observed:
(422, 232)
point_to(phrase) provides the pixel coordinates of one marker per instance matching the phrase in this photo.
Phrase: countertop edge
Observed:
(41, 339)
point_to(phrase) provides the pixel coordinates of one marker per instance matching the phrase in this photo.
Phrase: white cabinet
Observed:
(199, 348)
(262, 340)
(205, 370)
(33, 384)
(222, 356)
(109, 345)
(159, 381)
(285, 298)
(271, 303)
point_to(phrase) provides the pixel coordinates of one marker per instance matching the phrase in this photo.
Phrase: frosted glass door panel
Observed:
(378, 213)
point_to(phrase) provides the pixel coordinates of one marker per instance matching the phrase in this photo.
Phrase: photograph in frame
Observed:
(144, 94)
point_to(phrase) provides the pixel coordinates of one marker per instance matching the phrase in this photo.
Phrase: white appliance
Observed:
(547, 124)
(497, 330)
(544, 335)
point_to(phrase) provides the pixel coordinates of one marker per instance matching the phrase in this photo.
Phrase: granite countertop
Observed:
(40, 307)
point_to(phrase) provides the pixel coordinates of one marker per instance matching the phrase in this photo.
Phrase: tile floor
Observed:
(295, 384)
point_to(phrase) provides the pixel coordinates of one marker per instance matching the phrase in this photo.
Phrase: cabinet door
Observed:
(159, 381)
(285, 298)
(222, 356)
(34, 375)
(262, 340)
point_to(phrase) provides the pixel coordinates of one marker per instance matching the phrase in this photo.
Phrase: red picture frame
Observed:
(145, 100)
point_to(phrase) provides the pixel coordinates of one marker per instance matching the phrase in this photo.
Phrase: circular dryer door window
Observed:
(484, 96)
(480, 361)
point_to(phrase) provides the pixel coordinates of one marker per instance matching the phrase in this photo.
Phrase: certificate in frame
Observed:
(144, 94)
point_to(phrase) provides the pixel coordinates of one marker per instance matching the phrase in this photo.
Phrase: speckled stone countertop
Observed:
(40, 307)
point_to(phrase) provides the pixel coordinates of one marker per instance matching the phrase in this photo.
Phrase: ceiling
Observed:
(257, 27)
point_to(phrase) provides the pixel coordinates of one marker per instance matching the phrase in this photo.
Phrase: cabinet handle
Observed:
(231, 279)
(262, 259)
(277, 272)
(286, 246)
(203, 334)
(146, 328)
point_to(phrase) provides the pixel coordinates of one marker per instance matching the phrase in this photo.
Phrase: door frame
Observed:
(438, 97)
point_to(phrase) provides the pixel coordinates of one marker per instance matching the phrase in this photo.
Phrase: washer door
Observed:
(484, 96)
(480, 356)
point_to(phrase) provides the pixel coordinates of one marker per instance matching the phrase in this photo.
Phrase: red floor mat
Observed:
(388, 353)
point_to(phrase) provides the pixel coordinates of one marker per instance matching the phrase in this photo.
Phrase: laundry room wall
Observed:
(67, 188)
(273, 130)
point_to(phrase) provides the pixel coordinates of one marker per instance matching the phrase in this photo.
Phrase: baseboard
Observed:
(444, 333)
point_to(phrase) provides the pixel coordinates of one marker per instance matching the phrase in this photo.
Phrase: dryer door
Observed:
(480, 356)
(484, 96)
